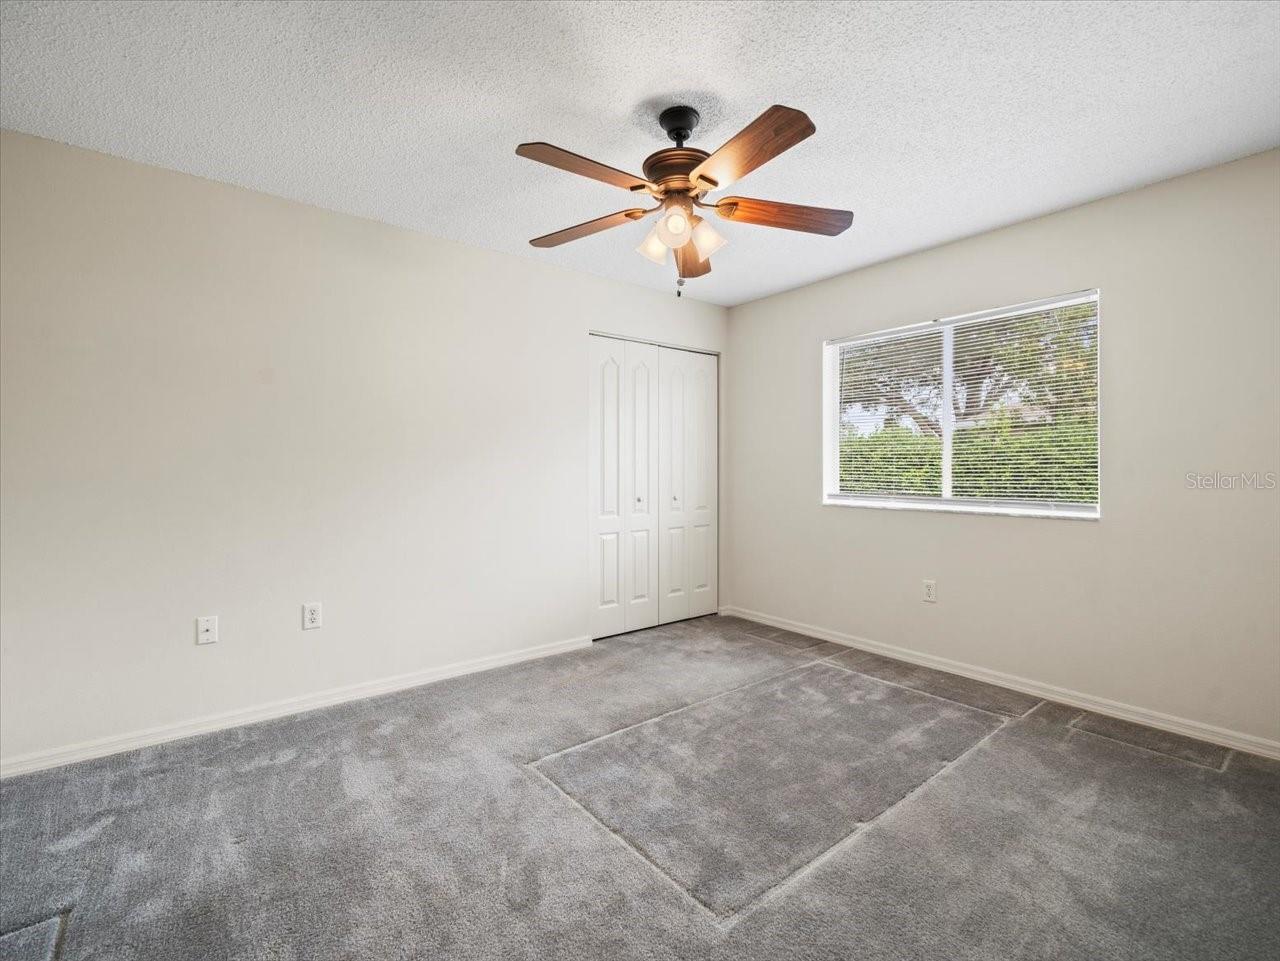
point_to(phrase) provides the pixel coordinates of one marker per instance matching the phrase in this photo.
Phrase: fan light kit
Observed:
(680, 177)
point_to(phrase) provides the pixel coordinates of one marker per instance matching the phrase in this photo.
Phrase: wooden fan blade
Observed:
(589, 228)
(770, 213)
(775, 130)
(575, 164)
(688, 263)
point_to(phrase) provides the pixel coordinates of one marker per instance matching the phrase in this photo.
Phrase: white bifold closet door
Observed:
(687, 471)
(624, 486)
(653, 475)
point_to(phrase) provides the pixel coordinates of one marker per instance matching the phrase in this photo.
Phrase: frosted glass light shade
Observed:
(675, 228)
(653, 248)
(706, 240)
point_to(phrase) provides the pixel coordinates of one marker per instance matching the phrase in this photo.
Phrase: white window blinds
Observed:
(996, 412)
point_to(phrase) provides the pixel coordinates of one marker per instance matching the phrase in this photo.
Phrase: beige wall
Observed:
(214, 401)
(219, 402)
(1171, 603)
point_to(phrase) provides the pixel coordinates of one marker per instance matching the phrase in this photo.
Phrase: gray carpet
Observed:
(731, 796)
(705, 790)
(34, 942)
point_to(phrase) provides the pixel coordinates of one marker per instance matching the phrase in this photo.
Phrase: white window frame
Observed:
(950, 505)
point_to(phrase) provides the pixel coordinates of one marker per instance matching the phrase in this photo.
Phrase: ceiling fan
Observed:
(680, 177)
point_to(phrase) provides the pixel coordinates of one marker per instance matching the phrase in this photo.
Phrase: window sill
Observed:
(967, 507)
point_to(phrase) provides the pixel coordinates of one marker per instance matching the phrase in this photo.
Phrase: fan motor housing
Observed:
(670, 168)
(679, 122)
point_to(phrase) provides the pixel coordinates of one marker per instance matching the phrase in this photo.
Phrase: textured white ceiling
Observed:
(935, 120)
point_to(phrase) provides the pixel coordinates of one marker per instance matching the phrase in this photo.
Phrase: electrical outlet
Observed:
(930, 592)
(206, 630)
(311, 618)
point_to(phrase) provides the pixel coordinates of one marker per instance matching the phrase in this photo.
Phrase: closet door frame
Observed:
(593, 467)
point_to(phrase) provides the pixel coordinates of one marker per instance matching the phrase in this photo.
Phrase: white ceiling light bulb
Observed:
(706, 240)
(653, 248)
(674, 227)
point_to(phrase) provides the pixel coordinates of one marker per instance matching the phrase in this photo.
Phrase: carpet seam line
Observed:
(1075, 717)
(798, 650)
(60, 939)
(788, 647)
(913, 690)
(675, 710)
(532, 766)
(1139, 747)
(761, 899)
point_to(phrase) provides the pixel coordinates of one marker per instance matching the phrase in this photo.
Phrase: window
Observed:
(994, 412)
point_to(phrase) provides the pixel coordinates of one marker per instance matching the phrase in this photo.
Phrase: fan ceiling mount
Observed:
(680, 177)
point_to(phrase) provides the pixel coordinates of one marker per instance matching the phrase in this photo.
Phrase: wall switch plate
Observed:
(206, 630)
(930, 592)
(311, 618)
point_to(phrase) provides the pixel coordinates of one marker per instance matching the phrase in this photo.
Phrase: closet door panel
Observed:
(702, 459)
(687, 470)
(605, 494)
(640, 463)
(673, 598)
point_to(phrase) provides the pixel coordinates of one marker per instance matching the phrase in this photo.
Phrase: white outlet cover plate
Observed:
(206, 630)
(312, 616)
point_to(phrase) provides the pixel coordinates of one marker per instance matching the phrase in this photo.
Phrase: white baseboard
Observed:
(1249, 743)
(101, 747)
